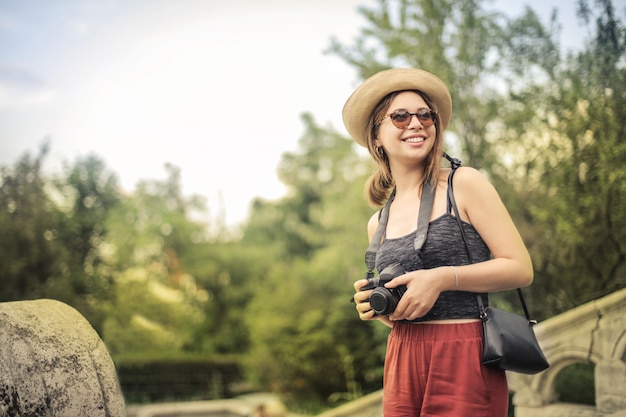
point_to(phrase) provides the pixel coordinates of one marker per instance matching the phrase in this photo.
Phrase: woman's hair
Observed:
(381, 182)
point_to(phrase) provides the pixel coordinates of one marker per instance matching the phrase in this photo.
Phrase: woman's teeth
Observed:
(414, 140)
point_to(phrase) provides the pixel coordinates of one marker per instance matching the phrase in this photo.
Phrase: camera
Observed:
(384, 300)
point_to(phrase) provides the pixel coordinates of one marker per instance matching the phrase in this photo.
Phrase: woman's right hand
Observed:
(361, 298)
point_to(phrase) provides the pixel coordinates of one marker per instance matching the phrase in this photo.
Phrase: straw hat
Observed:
(359, 107)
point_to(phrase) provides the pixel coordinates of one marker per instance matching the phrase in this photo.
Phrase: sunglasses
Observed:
(402, 118)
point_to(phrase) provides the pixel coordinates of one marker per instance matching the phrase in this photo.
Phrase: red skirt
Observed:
(434, 370)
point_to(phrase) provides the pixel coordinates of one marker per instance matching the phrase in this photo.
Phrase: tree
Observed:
(158, 303)
(85, 192)
(457, 41)
(566, 125)
(302, 326)
(29, 223)
(51, 229)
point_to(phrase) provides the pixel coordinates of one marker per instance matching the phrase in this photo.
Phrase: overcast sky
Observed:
(214, 87)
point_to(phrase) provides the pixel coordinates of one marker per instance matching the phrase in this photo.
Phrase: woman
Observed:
(432, 365)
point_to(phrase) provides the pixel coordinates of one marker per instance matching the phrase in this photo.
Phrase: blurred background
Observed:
(179, 172)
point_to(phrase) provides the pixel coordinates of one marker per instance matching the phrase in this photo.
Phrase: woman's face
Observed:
(412, 143)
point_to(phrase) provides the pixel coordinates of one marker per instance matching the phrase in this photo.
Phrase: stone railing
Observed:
(591, 333)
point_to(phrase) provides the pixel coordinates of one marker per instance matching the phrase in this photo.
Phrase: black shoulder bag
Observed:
(509, 339)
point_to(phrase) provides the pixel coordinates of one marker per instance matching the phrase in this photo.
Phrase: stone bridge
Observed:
(592, 333)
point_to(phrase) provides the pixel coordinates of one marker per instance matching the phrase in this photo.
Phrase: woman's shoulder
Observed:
(473, 190)
(468, 178)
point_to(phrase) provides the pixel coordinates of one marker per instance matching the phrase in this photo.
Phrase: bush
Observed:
(179, 378)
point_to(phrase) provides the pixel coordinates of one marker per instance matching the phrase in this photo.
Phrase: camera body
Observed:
(384, 300)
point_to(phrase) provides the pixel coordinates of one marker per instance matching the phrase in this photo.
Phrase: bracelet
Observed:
(456, 278)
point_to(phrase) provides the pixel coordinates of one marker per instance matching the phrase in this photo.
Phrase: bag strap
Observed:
(452, 202)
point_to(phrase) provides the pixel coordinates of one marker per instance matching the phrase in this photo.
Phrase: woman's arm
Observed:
(510, 266)
(480, 205)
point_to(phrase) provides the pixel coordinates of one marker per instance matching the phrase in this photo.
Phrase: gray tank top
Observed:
(443, 247)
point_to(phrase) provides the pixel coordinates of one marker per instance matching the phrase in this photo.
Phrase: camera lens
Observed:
(384, 301)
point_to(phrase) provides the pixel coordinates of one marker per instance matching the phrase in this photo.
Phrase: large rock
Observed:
(53, 363)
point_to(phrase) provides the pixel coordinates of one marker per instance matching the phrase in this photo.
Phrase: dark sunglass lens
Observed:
(425, 116)
(400, 119)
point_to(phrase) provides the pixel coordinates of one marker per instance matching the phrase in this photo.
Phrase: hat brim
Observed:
(358, 109)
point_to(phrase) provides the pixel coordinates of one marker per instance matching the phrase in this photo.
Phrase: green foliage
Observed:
(159, 305)
(146, 379)
(51, 230)
(564, 149)
(230, 273)
(149, 316)
(326, 168)
(300, 321)
(576, 384)
(28, 225)
(90, 191)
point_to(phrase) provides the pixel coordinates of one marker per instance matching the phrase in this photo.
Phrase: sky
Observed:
(215, 88)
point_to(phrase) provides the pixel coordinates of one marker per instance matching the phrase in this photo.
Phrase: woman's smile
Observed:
(414, 139)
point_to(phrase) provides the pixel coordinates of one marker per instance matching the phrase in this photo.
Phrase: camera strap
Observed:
(426, 206)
